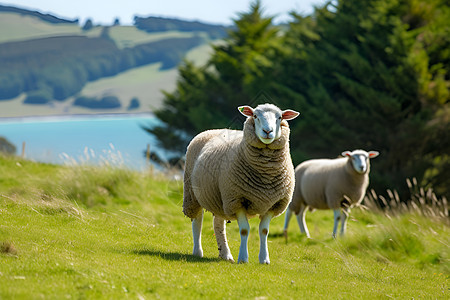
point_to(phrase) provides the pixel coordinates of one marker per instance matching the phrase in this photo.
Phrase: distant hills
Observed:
(44, 17)
(156, 24)
(46, 60)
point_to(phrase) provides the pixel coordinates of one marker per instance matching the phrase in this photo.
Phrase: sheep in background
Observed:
(240, 174)
(336, 184)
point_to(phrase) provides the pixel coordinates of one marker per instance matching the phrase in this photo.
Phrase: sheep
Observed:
(237, 175)
(330, 184)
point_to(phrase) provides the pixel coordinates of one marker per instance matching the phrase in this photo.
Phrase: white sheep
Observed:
(330, 184)
(240, 174)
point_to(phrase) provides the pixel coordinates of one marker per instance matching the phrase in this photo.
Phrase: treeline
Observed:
(59, 67)
(44, 17)
(158, 24)
(370, 74)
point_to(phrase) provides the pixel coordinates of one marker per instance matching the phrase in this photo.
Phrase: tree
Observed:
(88, 25)
(234, 75)
(358, 86)
(371, 74)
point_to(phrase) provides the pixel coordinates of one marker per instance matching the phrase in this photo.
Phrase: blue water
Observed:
(117, 140)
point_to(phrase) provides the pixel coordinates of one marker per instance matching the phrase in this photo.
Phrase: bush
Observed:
(42, 96)
(11, 85)
(108, 102)
(134, 104)
(6, 146)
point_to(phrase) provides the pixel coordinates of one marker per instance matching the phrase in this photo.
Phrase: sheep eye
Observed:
(255, 116)
(279, 118)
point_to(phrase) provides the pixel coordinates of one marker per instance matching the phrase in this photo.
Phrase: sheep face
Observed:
(267, 119)
(360, 159)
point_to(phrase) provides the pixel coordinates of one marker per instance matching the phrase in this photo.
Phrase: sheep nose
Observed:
(267, 131)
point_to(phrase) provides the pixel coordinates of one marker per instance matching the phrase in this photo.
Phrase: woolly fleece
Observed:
(227, 170)
(326, 183)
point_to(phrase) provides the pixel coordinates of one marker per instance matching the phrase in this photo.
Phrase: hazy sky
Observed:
(211, 11)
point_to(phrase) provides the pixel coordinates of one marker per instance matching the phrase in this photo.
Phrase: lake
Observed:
(115, 139)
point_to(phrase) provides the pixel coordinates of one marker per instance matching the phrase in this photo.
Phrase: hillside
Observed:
(107, 233)
(44, 17)
(51, 61)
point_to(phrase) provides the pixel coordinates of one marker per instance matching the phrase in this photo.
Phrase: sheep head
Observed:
(360, 159)
(268, 120)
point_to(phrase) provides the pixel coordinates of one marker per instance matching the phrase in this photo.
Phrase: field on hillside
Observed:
(143, 83)
(130, 36)
(108, 233)
(14, 27)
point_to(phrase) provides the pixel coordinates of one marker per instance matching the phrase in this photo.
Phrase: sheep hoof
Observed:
(265, 262)
(285, 235)
(198, 252)
(228, 257)
(242, 261)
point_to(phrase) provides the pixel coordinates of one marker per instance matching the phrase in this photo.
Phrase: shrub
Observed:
(107, 102)
(134, 104)
(6, 146)
(42, 96)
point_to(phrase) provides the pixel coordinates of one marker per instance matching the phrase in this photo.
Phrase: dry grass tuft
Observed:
(8, 248)
(421, 201)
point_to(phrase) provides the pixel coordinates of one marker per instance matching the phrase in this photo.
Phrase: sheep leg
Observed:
(301, 221)
(197, 233)
(286, 223)
(244, 229)
(337, 217)
(263, 233)
(221, 237)
(344, 216)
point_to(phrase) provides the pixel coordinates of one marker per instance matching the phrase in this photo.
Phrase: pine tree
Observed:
(359, 87)
(234, 75)
(371, 74)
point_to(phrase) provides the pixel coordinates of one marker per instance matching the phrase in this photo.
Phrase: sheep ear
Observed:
(346, 153)
(289, 114)
(373, 154)
(246, 110)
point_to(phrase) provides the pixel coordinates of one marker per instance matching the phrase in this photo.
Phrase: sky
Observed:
(210, 11)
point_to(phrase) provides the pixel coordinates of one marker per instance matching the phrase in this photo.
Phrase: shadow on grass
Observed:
(175, 256)
(276, 234)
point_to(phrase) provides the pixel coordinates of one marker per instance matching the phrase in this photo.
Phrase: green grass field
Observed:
(108, 233)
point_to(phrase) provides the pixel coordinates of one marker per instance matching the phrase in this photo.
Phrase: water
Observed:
(117, 140)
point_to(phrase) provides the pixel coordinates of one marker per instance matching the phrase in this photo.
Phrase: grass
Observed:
(145, 83)
(14, 27)
(130, 36)
(108, 233)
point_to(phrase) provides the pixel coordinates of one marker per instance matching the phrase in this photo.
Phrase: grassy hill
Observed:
(14, 27)
(56, 60)
(93, 232)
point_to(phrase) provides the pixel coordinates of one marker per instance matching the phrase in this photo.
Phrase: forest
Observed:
(369, 74)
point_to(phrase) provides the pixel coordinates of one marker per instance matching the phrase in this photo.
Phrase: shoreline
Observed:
(74, 117)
